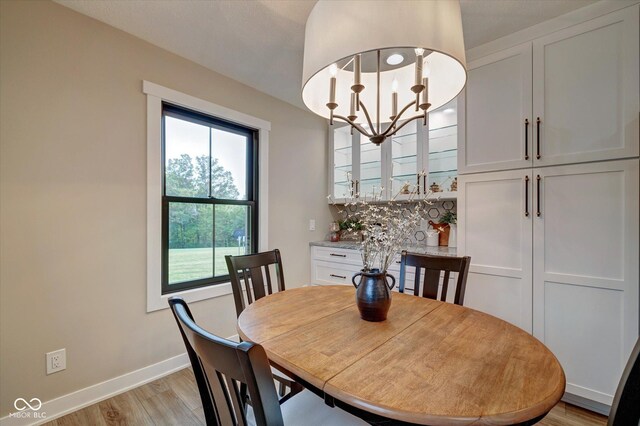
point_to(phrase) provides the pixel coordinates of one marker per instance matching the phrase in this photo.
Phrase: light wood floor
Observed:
(174, 400)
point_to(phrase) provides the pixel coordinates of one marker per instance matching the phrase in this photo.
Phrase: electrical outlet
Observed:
(56, 361)
(312, 224)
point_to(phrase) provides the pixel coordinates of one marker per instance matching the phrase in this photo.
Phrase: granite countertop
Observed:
(414, 248)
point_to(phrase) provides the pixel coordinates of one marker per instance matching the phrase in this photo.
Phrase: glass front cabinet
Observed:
(420, 155)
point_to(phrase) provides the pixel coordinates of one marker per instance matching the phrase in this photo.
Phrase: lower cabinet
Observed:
(554, 250)
(331, 266)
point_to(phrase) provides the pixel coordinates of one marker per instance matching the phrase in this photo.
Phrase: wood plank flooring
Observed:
(174, 400)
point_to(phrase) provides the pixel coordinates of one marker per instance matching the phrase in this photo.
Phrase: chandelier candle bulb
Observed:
(394, 105)
(356, 70)
(425, 94)
(419, 61)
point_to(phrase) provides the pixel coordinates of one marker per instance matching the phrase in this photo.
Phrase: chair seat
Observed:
(308, 409)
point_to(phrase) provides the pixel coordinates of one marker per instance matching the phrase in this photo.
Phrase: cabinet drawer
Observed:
(337, 255)
(332, 273)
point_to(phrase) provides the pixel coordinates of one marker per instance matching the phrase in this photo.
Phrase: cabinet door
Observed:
(406, 165)
(494, 217)
(342, 157)
(371, 176)
(586, 91)
(586, 271)
(442, 156)
(497, 102)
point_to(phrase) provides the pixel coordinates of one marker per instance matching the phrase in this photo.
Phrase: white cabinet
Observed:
(585, 259)
(417, 155)
(570, 97)
(554, 250)
(586, 91)
(495, 229)
(493, 131)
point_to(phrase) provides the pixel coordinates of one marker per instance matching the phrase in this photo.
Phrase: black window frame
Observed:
(251, 202)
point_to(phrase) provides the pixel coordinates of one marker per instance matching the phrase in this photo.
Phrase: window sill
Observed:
(158, 302)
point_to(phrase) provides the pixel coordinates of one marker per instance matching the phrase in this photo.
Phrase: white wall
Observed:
(72, 197)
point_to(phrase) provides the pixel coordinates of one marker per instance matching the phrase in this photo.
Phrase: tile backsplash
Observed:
(435, 211)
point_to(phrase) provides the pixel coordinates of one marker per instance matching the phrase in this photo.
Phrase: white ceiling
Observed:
(260, 42)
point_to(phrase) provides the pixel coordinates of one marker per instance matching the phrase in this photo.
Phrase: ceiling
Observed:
(260, 42)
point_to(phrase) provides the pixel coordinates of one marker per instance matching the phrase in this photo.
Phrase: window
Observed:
(199, 111)
(209, 197)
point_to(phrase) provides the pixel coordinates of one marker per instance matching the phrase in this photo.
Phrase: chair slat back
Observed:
(433, 266)
(625, 409)
(226, 371)
(253, 271)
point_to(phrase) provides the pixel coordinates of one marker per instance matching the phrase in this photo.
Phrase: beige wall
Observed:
(73, 212)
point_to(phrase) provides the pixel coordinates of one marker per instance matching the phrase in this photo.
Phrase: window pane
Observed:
(190, 242)
(186, 158)
(233, 228)
(228, 165)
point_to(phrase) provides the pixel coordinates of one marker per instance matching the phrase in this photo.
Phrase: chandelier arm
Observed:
(409, 120)
(397, 118)
(366, 114)
(356, 125)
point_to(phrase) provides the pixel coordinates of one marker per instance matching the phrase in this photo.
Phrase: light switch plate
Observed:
(312, 224)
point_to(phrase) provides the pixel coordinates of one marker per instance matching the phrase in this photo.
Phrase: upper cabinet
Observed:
(586, 93)
(569, 97)
(417, 156)
(495, 128)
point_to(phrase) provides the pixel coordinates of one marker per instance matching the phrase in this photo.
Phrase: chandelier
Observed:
(363, 59)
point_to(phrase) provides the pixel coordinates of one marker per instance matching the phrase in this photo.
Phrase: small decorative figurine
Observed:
(434, 187)
(454, 185)
(405, 189)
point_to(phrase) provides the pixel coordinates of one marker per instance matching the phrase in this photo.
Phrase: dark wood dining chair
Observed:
(236, 385)
(433, 266)
(253, 271)
(625, 409)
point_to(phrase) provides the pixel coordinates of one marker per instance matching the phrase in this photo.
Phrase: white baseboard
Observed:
(77, 400)
(588, 404)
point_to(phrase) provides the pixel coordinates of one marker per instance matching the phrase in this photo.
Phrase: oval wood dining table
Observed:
(429, 363)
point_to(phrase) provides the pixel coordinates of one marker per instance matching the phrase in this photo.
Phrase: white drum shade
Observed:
(337, 30)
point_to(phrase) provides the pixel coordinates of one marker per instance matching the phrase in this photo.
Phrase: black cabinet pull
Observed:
(538, 138)
(526, 196)
(337, 255)
(357, 188)
(338, 276)
(526, 138)
(424, 180)
(418, 182)
(538, 179)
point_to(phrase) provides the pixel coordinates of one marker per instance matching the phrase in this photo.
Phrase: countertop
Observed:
(414, 248)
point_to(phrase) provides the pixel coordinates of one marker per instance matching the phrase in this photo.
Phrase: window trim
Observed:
(156, 95)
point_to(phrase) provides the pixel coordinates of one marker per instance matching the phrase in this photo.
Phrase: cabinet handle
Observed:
(337, 255)
(538, 179)
(424, 180)
(418, 182)
(538, 121)
(351, 189)
(526, 196)
(357, 188)
(526, 138)
(338, 276)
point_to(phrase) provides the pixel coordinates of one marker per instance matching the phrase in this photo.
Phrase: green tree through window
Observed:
(209, 200)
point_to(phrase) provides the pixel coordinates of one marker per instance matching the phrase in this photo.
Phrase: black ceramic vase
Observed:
(373, 294)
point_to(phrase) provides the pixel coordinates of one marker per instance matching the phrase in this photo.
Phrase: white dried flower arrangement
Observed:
(385, 225)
